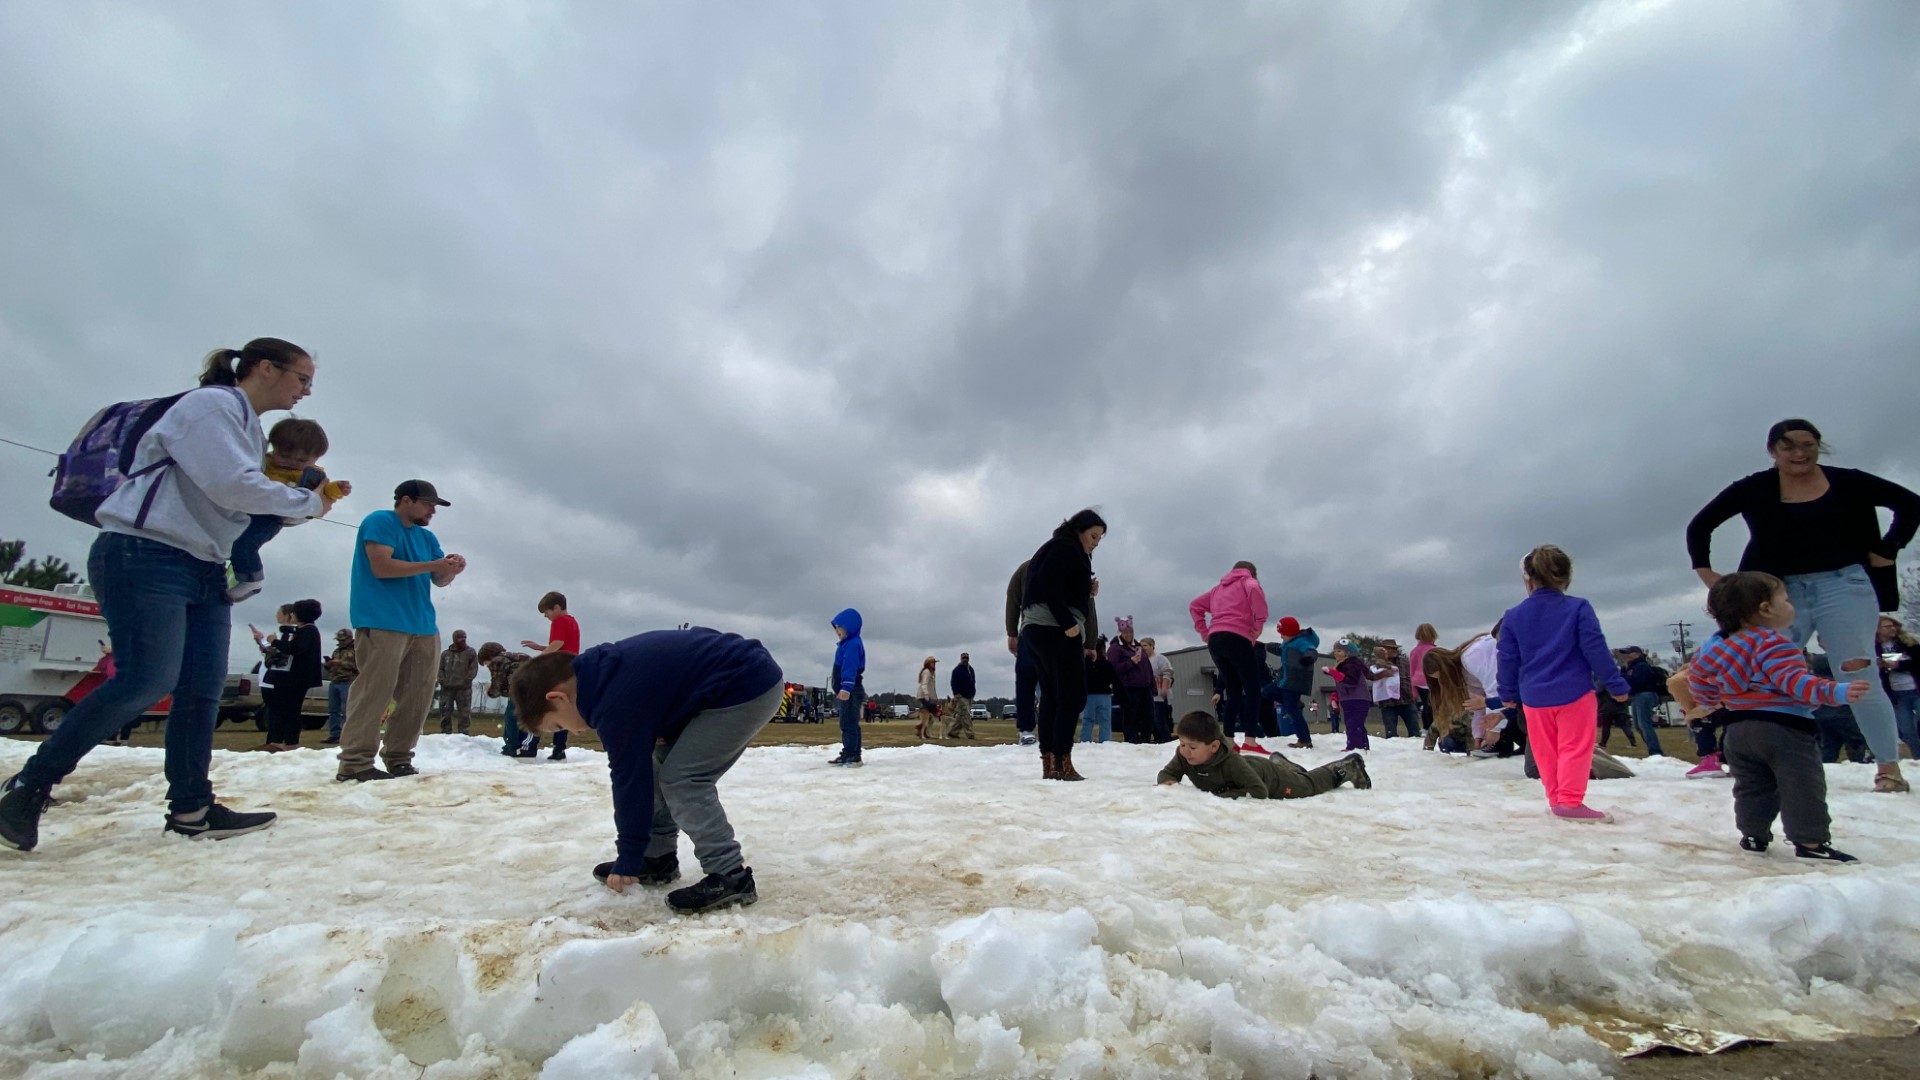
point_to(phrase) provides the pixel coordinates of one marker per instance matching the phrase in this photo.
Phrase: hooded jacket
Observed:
(1233, 775)
(1128, 672)
(850, 656)
(649, 687)
(1238, 605)
(961, 681)
(1298, 655)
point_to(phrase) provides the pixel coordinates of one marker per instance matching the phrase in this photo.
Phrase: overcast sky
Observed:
(743, 315)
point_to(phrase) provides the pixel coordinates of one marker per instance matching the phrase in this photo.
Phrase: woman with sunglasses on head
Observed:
(1817, 528)
(159, 569)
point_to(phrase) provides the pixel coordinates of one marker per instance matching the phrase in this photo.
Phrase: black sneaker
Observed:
(557, 755)
(715, 891)
(661, 871)
(528, 752)
(20, 810)
(220, 823)
(508, 751)
(1354, 768)
(361, 777)
(1755, 844)
(1823, 852)
(405, 769)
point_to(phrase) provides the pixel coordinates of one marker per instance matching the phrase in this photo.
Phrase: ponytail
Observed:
(226, 367)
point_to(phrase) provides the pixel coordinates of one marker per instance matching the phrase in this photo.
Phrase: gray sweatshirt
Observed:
(206, 499)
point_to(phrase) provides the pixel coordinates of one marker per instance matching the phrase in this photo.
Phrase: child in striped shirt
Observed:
(1760, 679)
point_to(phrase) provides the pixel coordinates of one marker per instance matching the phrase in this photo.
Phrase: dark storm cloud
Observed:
(740, 320)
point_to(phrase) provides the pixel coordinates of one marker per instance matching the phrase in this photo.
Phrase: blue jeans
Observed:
(245, 555)
(336, 708)
(1643, 704)
(1906, 717)
(1292, 720)
(169, 620)
(1841, 607)
(849, 711)
(1097, 718)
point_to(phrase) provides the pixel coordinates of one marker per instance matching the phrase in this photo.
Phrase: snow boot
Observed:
(1823, 852)
(20, 810)
(715, 891)
(1353, 769)
(217, 822)
(1049, 768)
(361, 777)
(1063, 768)
(1755, 844)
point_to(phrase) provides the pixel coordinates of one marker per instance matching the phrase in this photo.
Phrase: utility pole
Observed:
(1680, 640)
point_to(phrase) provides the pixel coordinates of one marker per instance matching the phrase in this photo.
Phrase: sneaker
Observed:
(1251, 747)
(1029, 740)
(527, 752)
(1582, 812)
(1755, 844)
(1354, 768)
(218, 823)
(20, 810)
(557, 755)
(333, 741)
(1708, 769)
(1299, 746)
(404, 769)
(1482, 754)
(1823, 852)
(715, 891)
(853, 764)
(361, 777)
(661, 871)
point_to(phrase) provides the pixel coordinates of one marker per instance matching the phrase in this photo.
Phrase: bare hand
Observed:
(619, 882)
(346, 488)
(459, 562)
(1856, 691)
(1073, 631)
(1013, 645)
(1707, 575)
(1622, 698)
(528, 643)
(844, 696)
(1169, 783)
(1878, 560)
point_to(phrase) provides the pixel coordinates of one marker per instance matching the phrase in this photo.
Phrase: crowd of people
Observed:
(187, 501)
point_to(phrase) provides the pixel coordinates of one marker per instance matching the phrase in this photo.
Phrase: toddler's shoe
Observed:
(242, 590)
(1251, 747)
(1583, 813)
(1708, 769)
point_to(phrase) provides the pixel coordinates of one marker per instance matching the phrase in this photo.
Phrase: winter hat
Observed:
(1124, 622)
(1289, 627)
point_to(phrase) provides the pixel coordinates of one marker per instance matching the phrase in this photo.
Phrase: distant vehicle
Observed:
(980, 713)
(49, 656)
(1008, 712)
(899, 711)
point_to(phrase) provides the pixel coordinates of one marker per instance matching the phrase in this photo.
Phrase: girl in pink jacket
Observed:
(1229, 617)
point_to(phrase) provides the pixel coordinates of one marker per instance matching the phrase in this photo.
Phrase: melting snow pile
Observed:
(941, 912)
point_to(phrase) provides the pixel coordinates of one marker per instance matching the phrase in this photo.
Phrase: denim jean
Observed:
(1906, 718)
(1400, 711)
(336, 708)
(515, 739)
(169, 620)
(849, 711)
(1643, 704)
(1292, 720)
(1096, 720)
(1841, 606)
(245, 554)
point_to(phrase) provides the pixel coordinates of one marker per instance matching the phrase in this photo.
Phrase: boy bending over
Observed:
(1212, 763)
(674, 709)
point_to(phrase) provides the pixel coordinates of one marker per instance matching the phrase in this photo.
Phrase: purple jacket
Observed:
(1552, 650)
(1127, 672)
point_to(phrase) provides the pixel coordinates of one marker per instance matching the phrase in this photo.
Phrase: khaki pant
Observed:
(394, 667)
(961, 722)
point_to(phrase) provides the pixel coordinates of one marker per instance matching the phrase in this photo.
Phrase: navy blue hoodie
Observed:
(648, 687)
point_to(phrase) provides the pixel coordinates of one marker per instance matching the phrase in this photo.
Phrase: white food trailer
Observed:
(49, 644)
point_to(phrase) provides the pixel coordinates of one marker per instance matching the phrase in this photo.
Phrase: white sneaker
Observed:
(243, 590)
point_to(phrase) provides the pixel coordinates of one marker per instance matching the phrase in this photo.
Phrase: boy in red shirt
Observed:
(563, 635)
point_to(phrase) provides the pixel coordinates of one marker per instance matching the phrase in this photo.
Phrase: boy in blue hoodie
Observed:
(850, 693)
(674, 709)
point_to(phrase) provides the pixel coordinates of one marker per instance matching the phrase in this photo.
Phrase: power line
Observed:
(1680, 639)
(56, 453)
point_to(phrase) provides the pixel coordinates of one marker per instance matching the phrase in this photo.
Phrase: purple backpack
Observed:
(101, 459)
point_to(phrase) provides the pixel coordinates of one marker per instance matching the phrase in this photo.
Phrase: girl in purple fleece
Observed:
(1551, 651)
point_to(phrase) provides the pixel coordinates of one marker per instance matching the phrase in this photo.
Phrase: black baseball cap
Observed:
(421, 490)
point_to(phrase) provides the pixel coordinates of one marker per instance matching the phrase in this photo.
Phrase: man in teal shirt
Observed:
(395, 636)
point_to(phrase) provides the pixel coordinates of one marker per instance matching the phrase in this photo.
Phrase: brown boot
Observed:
(1064, 769)
(1048, 770)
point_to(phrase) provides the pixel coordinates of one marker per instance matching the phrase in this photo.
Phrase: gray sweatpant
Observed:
(685, 798)
(1777, 773)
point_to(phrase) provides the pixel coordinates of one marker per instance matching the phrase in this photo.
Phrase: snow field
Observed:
(940, 912)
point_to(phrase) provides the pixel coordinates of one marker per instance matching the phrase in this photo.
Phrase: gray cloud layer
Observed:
(741, 319)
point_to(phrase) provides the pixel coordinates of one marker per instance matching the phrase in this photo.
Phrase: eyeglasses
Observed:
(306, 380)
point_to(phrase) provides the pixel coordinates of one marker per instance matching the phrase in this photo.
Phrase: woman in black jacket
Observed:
(1055, 629)
(292, 668)
(1817, 528)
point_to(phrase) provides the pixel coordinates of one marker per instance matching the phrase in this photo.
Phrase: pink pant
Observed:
(1562, 738)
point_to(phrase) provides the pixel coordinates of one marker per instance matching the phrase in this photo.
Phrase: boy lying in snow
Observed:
(1213, 765)
(674, 709)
